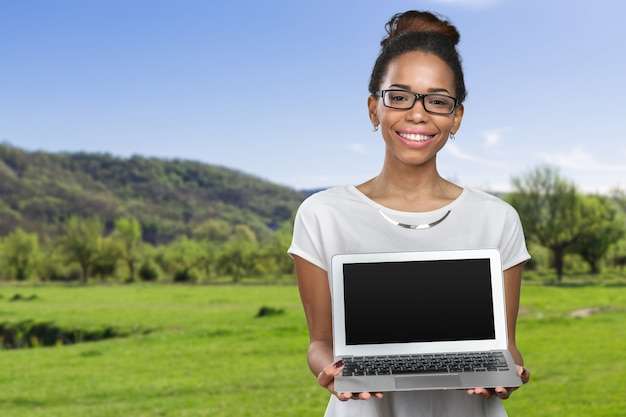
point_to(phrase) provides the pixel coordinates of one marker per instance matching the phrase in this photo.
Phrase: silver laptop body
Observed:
(420, 307)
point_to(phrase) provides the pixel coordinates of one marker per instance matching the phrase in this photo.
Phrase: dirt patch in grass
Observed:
(585, 312)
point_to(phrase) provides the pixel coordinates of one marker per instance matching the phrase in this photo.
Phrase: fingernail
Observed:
(339, 363)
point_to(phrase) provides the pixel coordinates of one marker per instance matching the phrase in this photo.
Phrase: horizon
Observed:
(308, 190)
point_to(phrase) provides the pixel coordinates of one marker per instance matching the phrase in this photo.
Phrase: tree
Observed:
(105, 264)
(52, 263)
(551, 212)
(183, 255)
(20, 252)
(214, 230)
(239, 254)
(606, 229)
(242, 232)
(618, 254)
(81, 240)
(207, 258)
(128, 233)
(238, 258)
(618, 195)
(276, 250)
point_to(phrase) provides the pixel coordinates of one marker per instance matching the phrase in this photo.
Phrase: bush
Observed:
(20, 297)
(149, 271)
(185, 275)
(29, 333)
(54, 267)
(66, 274)
(266, 311)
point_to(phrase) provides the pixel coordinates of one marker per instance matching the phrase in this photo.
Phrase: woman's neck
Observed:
(413, 189)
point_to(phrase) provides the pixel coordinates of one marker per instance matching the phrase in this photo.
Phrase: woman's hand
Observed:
(501, 392)
(326, 378)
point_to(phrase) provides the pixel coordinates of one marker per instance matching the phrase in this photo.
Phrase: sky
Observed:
(278, 88)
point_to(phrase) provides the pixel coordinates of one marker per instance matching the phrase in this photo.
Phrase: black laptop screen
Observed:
(418, 301)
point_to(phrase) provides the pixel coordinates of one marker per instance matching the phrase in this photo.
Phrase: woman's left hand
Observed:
(501, 392)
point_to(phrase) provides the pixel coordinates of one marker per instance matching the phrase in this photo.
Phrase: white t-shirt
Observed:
(344, 220)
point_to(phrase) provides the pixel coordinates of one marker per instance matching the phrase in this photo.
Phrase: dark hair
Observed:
(419, 31)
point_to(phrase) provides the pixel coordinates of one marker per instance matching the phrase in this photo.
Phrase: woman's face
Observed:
(414, 136)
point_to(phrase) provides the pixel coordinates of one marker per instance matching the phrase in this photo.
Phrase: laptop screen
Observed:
(418, 301)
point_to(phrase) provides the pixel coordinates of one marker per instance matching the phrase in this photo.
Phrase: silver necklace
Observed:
(414, 226)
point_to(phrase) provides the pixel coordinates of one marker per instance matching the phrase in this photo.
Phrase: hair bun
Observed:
(416, 21)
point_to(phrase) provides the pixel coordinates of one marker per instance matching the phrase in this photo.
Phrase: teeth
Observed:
(415, 137)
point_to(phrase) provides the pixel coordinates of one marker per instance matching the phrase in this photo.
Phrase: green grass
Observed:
(209, 355)
(578, 364)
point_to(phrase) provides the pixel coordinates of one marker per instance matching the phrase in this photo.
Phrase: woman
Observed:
(416, 101)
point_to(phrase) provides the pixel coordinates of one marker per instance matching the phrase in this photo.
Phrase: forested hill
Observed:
(39, 191)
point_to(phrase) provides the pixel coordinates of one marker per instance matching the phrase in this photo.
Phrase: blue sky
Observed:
(278, 88)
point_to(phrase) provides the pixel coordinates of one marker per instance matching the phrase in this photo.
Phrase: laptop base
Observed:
(503, 375)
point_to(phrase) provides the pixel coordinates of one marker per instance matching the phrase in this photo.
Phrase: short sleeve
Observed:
(306, 241)
(513, 245)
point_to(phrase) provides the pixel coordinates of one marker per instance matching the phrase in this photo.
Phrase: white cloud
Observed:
(357, 147)
(580, 160)
(493, 137)
(456, 152)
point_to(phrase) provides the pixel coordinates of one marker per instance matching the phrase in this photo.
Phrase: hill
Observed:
(39, 191)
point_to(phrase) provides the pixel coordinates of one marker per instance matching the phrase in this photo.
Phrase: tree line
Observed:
(558, 221)
(82, 252)
(557, 217)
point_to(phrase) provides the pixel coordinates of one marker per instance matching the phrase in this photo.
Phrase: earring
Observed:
(452, 136)
(375, 128)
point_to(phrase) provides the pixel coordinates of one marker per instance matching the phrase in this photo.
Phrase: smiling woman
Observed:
(406, 125)
(416, 100)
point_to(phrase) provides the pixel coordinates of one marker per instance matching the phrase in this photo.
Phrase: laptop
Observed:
(425, 315)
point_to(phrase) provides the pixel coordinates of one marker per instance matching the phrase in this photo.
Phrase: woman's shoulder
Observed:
(332, 196)
(474, 194)
(331, 191)
(333, 203)
(478, 198)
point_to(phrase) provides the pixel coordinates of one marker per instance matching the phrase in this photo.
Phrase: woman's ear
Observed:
(372, 104)
(458, 117)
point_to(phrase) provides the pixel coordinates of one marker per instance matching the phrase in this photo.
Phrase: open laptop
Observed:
(427, 314)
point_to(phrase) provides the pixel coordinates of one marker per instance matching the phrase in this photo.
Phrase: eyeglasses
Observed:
(405, 100)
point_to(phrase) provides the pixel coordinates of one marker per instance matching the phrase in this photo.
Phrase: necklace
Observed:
(414, 226)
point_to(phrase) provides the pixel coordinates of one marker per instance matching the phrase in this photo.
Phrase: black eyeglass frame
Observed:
(381, 94)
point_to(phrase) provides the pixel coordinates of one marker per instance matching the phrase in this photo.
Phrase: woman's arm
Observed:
(512, 288)
(315, 295)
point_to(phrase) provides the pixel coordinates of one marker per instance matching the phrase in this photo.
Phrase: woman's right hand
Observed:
(326, 378)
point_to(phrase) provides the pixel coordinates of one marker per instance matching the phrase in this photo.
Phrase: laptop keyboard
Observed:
(425, 364)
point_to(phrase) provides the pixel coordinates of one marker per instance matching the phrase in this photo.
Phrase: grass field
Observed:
(207, 354)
